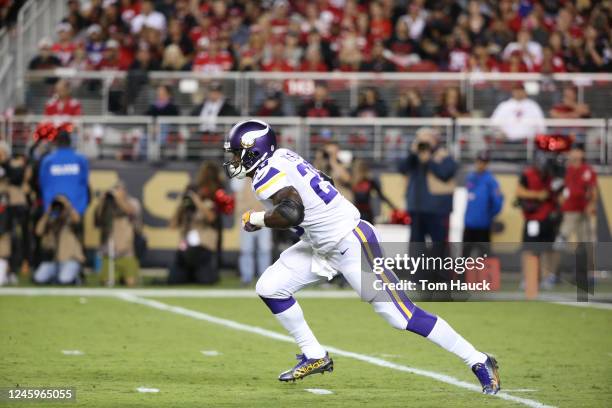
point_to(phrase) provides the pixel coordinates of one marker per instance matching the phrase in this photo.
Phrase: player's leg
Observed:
(398, 310)
(276, 286)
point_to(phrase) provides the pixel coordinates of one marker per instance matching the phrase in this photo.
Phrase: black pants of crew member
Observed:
(20, 237)
(476, 240)
(194, 265)
(434, 226)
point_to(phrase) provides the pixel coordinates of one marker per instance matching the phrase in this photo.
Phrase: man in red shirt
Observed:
(62, 103)
(210, 58)
(579, 198)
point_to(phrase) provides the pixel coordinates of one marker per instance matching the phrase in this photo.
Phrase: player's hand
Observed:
(246, 224)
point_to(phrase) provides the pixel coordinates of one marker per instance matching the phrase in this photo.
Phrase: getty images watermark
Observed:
(401, 264)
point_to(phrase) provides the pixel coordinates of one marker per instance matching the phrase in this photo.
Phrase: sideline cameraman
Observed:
(62, 252)
(117, 217)
(431, 184)
(537, 195)
(195, 261)
(5, 230)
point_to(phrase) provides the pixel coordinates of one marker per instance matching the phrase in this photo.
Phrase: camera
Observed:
(56, 209)
(423, 147)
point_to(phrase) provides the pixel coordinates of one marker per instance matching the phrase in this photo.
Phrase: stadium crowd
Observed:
(328, 35)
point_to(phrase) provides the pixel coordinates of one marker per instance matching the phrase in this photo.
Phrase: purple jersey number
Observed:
(322, 188)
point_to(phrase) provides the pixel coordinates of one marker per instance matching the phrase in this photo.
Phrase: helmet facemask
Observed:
(242, 162)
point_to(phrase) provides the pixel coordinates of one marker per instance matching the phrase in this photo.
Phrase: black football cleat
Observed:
(308, 366)
(488, 375)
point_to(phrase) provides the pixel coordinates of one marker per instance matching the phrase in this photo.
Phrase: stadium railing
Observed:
(482, 92)
(36, 19)
(474, 134)
(384, 140)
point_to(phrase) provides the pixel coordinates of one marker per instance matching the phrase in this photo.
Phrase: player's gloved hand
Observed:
(253, 220)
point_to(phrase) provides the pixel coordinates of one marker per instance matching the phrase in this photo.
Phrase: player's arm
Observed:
(288, 211)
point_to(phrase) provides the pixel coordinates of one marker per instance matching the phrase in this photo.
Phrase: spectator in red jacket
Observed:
(65, 46)
(62, 103)
(210, 58)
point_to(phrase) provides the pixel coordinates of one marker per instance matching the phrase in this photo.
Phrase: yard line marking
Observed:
(147, 389)
(210, 353)
(72, 352)
(357, 356)
(319, 391)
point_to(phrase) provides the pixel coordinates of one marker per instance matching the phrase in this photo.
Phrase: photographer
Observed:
(62, 255)
(537, 195)
(117, 217)
(431, 183)
(5, 229)
(327, 160)
(195, 261)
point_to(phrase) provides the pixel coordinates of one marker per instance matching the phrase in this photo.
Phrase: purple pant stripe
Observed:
(278, 305)
(422, 322)
(377, 252)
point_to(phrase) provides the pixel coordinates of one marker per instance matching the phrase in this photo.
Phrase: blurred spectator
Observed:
(110, 57)
(415, 19)
(118, 216)
(62, 256)
(45, 58)
(163, 105)
(403, 50)
(177, 37)
(319, 106)
(459, 45)
(484, 202)
(195, 259)
(75, 17)
(530, 51)
(538, 201)
(551, 63)
(148, 18)
(328, 161)
(431, 174)
(174, 60)
(65, 172)
(255, 247)
(144, 61)
(210, 58)
(364, 186)
(94, 45)
(79, 62)
(579, 198)
(451, 104)
(410, 105)
(278, 61)
(519, 117)
(62, 103)
(213, 106)
(6, 275)
(313, 62)
(65, 46)
(271, 106)
(377, 62)
(293, 50)
(370, 104)
(569, 108)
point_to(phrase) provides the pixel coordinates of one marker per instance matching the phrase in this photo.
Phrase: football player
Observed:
(332, 238)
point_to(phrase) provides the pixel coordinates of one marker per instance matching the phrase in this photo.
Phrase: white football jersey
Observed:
(328, 216)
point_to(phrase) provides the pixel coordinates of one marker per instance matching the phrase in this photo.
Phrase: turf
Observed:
(561, 352)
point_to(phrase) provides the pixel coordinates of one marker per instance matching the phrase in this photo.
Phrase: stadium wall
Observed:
(159, 188)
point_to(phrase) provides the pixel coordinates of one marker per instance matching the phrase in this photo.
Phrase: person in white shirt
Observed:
(148, 17)
(519, 117)
(531, 51)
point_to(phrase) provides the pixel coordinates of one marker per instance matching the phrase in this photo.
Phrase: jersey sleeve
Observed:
(272, 180)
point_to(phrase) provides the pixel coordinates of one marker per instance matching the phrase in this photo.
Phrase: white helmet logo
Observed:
(248, 139)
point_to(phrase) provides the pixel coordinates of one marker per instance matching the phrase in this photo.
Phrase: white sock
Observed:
(447, 338)
(293, 321)
(4, 272)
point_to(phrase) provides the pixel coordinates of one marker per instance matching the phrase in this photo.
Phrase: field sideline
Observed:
(232, 352)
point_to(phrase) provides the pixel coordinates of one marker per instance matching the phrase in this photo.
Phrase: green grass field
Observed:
(552, 354)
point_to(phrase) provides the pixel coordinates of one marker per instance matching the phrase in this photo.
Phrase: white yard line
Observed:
(357, 356)
(318, 391)
(594, 305)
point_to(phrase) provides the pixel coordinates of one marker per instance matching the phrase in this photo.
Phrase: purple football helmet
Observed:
(250, 142)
